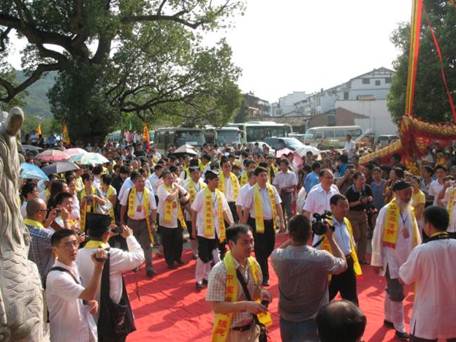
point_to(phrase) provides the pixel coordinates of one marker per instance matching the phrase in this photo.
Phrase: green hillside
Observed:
(36, 101)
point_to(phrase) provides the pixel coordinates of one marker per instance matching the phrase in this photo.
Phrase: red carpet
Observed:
(169, 306)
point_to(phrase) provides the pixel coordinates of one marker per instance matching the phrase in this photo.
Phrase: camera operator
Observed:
(345, 283)
(111, 292)
(303, 279)
(360, 198)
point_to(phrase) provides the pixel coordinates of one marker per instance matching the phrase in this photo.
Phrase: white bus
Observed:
(178, 136)
(328, 137)
(259, 130)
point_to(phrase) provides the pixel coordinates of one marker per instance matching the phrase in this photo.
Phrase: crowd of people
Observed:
(91, 225)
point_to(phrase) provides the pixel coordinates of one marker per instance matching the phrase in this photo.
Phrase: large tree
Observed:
(117, 56)
(431, 102)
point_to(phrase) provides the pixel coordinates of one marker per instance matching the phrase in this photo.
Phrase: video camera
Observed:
(320, 224)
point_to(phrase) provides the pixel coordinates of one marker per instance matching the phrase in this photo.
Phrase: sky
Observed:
(305, 45)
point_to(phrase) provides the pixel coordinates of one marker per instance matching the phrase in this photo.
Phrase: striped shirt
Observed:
(40, 251)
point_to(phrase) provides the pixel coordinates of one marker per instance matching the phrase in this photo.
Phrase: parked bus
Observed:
(333, 136)
(178, 136)
(259, 130)
(222, 135)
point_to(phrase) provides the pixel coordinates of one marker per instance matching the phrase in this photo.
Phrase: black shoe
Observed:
(403, 336)
(180, 262)
(199, 286)
(388, 324)
(205, 282)
(150, 273)
(265, 283)
(194, 257)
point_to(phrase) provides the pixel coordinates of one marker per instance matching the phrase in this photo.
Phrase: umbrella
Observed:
(284, 152)
(31, 171)
(91, 158)
(75, 151)
(31, 148)
(308, 148)
(60, 167)
(186, 149)
(52, 156)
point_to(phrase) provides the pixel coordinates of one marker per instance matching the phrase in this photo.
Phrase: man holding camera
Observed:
(360, 198)
(303, 279)
(395, 235)
(99, 231)
(317, 200)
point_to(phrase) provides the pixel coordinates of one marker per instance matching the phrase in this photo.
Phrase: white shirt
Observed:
(301, 199)
(434, 190)
(267, 209)
(139, 215)
(128, 184)
(392, 257)
(197, 187)
(317, 200)
(75, 208)
(452, 225)
(229, 190)
(153, 180)
(163, 194)
(285, 179)
(198, 206)
(70, 319)
(243, 191)
(349, 148)
(120, 262)
(431, 267)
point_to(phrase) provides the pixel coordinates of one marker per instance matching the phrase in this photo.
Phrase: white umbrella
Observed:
(91, 158)
(186, 149)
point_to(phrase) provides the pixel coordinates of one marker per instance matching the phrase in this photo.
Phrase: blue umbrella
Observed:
(31, 171)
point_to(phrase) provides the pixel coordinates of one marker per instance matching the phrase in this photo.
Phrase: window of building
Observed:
(346, 95)
(377, 82)
(366, 81)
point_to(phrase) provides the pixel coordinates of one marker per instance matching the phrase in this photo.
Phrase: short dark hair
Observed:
(315, 166)
(357, 174)
(233, 232)
(223, 161)
(165, 172)
(106, 179)
(441, 167)
(61, 197)
(86, 177)
(134, 175)
(259, 170)
(399, 172)
(61, 234)
(438, 217)
(97, 170)
(340, 321)
(27, 188)
(429, 169)
(336, 198)
(299, 228)
(124, 170)
(284, 161)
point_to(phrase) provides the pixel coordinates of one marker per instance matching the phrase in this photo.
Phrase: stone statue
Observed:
(21, 293)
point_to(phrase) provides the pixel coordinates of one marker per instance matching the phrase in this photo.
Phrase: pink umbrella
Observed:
(283, 152)
(75, 151)
(52, 156)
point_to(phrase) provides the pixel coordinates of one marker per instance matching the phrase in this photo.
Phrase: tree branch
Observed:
(12, 90)
(3, 38)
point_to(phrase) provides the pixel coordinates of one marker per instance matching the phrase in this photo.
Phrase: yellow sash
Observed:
(451, 201)
(192, 189)
(109, 194)
(86, 208)
(234, 184)
(258, 203)
(170, 205)
(95, 244)
(327, 247)
(209, 227)
(391, 228)
(33, 223)
(222, 322)
(146, 206)
(244, 178)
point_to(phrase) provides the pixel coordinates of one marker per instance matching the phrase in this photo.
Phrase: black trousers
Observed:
(172, 241)
(232, 206)
(264, 245)
(345, 283)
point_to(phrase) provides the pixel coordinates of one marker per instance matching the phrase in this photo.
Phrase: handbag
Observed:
(116, 321)
(263, 330)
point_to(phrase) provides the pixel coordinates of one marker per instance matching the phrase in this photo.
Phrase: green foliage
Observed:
(431, 102)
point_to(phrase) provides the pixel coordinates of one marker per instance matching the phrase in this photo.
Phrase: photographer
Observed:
(360, 198)
(112, 286)
(303, 279)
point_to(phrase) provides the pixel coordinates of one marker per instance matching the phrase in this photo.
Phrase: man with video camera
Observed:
(303, 279)
(115, 319)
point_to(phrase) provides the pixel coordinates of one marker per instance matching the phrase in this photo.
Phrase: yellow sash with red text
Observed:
(222, 322)
(234, 184)
(170, 205)
(86, 208)
(391, 228)
(192, 189)
(145, 206)
(258, 203)
(209, 226)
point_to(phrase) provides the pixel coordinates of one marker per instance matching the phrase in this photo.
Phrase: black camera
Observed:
(320, 225)
(117, 230)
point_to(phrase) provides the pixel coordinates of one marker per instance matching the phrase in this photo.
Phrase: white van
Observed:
(328, 137)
